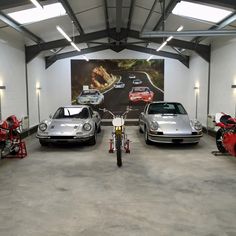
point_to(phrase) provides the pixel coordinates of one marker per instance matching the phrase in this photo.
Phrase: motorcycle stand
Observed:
(218, 153)
(20, 154)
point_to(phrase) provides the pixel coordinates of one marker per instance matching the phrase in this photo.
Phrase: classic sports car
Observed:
(70, 124)
(90, 96)
(119, 85)
(141, 94)
(132, 76)
(137, 81)
(168, 122)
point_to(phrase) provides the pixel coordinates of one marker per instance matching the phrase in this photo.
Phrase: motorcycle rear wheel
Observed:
(118, 150)
(219, 141)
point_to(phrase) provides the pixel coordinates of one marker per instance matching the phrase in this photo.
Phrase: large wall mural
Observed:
(116, 84)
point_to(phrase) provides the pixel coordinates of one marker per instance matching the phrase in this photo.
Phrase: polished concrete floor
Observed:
(78, 190)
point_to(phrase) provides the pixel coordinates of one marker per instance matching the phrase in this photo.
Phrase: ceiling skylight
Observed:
(37, 14)
(201, 12)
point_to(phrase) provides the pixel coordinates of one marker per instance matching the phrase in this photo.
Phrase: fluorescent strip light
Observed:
(171, 37)
(73, 44)
(162, 46)
(150, 58)
(63, 33)
(37, 4)
(180, 28)
(200, 11)
(85, 58)
(37, 14)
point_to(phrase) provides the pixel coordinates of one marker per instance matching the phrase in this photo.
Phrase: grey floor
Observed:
(78, 190)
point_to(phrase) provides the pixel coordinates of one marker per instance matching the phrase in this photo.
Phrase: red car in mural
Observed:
(138, 94)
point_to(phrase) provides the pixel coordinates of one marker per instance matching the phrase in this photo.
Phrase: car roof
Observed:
(74, 106)
(163, 102)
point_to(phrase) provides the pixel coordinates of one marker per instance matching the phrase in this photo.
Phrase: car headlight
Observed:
(87, 127)
(197, 125)
(153, 125)
(43, 126)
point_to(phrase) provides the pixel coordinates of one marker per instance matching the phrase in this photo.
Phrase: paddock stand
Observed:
(126, 146)
(20, 154)
(218, 153)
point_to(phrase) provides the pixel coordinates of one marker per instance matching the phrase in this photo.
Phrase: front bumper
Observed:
(175, 138)
(60, 138)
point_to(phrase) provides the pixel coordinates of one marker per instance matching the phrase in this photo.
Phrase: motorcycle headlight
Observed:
(197, 125)
(43, 126)
(154, 125)
(87, 127)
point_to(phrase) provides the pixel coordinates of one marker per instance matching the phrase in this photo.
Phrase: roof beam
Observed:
(131, 11)
(118, 15)
(187, 33)
(15, 25)
(72, 16)
(183, 59)
(149, 15)
(34, 50)
(50, 60)
(106, 15)
(227, 21)
(222, 3)
(165, 14)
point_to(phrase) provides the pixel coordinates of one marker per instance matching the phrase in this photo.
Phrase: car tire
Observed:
(99, 129)
(43, 143)
(93, 140)
(219, 143)
(146, 138)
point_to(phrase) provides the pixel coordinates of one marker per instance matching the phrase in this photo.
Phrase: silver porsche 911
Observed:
(70, 124)
(168, 122)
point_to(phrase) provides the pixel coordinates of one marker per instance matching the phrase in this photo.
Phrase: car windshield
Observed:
(71, 112)
(140, 90)
(89, 92)
(166, 108)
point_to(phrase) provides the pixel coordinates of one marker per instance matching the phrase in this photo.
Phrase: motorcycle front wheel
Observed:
(118, 150)
(219, 141)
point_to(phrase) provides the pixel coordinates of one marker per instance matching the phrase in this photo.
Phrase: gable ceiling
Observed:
(96, 25)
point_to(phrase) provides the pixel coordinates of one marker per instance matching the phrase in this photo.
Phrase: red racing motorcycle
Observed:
(11, 143)
(226, 135)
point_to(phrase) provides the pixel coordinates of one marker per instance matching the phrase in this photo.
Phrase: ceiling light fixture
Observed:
(180, 28)
(63, 33)
(162, 46)
(73, 44)
(150, 58)
(200, 11)
(85, 58)
(167, 40)
(37, 4)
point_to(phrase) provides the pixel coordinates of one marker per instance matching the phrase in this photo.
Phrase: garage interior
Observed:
(161, 189)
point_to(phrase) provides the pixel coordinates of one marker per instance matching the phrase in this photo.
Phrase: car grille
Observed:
(61, 137)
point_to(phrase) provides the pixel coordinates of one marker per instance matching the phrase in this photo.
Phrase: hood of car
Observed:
(173, 124)
(65, 126)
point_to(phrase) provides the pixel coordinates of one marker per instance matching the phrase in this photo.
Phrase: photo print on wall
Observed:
(116, 84)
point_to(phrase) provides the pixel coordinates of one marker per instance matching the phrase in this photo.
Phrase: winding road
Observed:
(117, 100)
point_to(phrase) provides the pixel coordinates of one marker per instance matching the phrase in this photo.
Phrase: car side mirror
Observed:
(50, 116)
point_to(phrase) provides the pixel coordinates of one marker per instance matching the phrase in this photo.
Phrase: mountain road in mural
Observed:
(117, 99)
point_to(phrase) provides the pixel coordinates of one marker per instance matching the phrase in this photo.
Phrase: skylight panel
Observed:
(37, 14)
(201, 12)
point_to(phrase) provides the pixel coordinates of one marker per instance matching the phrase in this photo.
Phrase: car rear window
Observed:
(71, 112)
(139, 89)
(166, 108)
(89, 92)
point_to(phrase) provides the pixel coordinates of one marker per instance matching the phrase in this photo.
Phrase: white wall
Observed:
(223, 75)
(12, 75)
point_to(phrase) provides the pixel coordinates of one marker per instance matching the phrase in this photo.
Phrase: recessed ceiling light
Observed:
(38, 14)
(201, 12)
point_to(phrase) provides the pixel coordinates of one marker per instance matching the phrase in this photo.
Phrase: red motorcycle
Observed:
(10, 138)
(226, 135)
